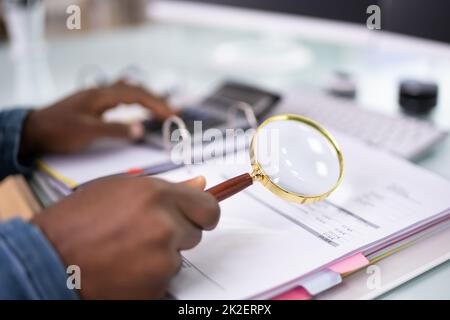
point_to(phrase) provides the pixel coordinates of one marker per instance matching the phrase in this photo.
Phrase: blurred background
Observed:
(97, 14)
(413, 17)
(188, 47)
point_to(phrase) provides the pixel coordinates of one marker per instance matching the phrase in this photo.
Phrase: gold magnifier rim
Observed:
(259, 174)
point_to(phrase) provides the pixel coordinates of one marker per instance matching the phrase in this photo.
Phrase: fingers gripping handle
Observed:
(230, 187)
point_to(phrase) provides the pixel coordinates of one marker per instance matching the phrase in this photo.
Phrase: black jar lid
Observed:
(418, 97)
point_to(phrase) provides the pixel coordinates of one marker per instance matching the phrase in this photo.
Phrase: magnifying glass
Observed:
(293, 157)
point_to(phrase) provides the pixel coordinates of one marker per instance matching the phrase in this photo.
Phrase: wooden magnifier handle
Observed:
(230, 187)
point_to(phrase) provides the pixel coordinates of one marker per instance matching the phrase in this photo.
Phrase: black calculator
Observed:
(214, 110)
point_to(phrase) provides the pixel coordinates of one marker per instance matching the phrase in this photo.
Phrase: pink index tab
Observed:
(298, 293)
(350, 264)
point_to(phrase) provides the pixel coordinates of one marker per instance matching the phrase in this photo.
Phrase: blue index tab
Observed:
(320, 281)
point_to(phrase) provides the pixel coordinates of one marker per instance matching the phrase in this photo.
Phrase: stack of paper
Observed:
(60, 174)
(264, 246)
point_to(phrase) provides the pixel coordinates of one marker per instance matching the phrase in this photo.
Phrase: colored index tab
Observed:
(298, 293)
(350, 264)
(320, 281)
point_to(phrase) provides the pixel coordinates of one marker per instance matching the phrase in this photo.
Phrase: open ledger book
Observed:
(264, 245)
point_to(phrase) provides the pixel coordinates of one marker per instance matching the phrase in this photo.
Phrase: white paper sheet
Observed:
(264, 243)
(104, 158)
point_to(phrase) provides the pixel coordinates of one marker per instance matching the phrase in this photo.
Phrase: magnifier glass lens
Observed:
(297, 157)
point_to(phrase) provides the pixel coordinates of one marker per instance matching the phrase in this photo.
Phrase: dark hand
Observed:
(73, 123)
(125, 233)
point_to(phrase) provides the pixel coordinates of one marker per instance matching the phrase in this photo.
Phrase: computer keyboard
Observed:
(404, 136)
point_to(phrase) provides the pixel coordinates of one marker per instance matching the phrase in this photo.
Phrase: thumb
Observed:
(134, 131)
(197, 182)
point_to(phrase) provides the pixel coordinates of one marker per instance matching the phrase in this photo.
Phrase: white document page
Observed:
(264, 243)
(104, 158)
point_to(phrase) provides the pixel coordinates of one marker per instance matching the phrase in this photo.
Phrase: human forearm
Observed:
(11, 125)
(29, 266)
